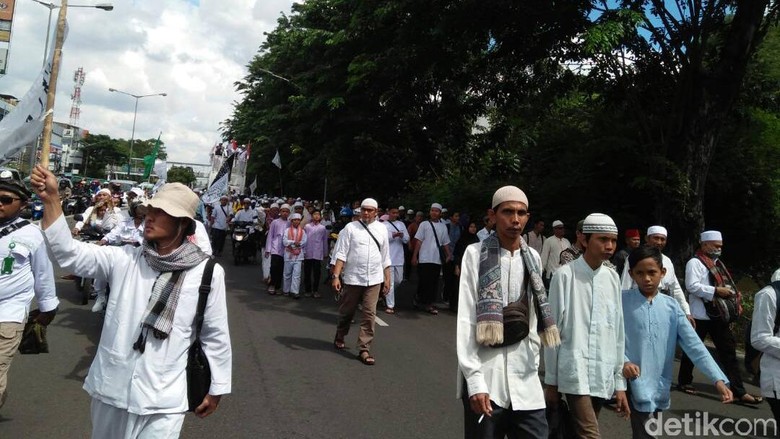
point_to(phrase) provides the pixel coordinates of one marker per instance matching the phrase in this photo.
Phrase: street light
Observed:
(135, 114)
(52, 7)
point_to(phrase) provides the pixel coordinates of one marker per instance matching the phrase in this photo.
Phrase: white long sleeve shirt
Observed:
(763, 338)
(587, 307)
(397, 244)
(155, 381)
(364, 263)
(551, 254)
(509, 375)
(32, 275)
(221, 216)
(699, 286)
(668, 283)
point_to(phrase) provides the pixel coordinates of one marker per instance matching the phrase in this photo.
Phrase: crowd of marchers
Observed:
(604, 323)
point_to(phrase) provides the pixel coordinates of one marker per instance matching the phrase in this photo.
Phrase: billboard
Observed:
(7, 9)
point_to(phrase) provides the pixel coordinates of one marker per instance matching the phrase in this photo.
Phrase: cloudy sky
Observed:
(192, 50)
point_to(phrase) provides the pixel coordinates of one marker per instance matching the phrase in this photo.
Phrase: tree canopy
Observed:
(655, 112)
(101, 150)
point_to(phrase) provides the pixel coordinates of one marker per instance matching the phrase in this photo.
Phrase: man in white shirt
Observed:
(551, 250)
(220, 216)
(487, 229)
(656, 237)
(764, 338)
(26, 272)
(362, 256)
(499, 385)
(535, 238)
(398, 236)
(585, 299)
(705, 277)
(137, 379)
(430, 252)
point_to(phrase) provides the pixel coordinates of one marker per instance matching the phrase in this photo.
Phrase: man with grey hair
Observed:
(220, 217)
(361, 256)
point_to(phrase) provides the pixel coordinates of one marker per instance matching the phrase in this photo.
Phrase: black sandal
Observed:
(687, 388)
(755, 399)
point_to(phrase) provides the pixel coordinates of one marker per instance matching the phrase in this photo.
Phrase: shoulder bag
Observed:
(198, 370)
(442, 255)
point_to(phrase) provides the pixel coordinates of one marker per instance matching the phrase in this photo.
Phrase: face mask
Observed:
(715, 254)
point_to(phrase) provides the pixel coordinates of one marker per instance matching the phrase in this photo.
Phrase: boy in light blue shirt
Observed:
(654, 325)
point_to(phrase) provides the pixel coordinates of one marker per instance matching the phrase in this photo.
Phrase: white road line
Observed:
(380, 322)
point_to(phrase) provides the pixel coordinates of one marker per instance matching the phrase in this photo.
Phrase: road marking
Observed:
(380, 322)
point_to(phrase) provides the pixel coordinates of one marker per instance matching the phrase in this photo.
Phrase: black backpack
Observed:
(753, 355)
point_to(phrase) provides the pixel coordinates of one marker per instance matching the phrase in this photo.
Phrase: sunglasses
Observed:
(7, 199)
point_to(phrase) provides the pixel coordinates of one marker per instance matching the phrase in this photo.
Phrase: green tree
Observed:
(181, 174)
(100, 151)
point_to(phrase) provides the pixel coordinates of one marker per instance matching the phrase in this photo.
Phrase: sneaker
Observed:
(100, 303)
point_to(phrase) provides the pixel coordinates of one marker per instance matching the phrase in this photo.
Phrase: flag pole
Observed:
(281, 187)
(55, 70)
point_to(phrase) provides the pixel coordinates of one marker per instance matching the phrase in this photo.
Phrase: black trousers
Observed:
(774, 404)
(277, 271)
(512, 424)
(725, 345)
(428, 283)
(312, 273)
(217, 240)
(450, 281)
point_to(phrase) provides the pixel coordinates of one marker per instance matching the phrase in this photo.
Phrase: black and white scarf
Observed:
(161, 308)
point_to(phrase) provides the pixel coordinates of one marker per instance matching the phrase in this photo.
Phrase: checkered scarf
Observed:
(166, 290)
(490, 304)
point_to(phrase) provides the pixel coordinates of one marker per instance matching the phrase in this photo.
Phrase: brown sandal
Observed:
(366, 358)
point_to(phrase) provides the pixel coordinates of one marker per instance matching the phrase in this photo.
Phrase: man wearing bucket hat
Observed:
(26, 272)
(137, 379)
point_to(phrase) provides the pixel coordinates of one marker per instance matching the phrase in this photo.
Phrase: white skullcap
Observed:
(246, 200)
(297, 204)
(295, 216)
(509, 193)
(274, 205)
(139, 192)
(776, 275)
(557, 223)
(103, 191)
(369, 202)
(410, 211)
(599, 223)
(657, 230)
(436, 206)
(444, 210)
(284, 206)
(711, 235)
(400, 207)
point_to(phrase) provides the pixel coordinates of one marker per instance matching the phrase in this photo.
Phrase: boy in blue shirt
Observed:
(654, 325)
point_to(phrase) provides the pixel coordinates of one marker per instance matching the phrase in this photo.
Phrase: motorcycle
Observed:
(84, 285)
(37, 209)
(243, 242)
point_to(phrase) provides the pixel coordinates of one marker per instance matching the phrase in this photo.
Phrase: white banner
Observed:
(161, 169)
(24, 124)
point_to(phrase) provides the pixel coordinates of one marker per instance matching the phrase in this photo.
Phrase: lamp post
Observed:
(52, 7)
(135, 115)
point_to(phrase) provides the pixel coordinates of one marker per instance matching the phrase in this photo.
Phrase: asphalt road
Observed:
(288, 381)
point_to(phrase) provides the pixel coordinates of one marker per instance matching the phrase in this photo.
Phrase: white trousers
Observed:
(266, 265)
(109, 422)
(292, 277)
(396, 277)
(100, 286)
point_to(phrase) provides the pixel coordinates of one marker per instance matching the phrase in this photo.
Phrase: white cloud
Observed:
(194, 54)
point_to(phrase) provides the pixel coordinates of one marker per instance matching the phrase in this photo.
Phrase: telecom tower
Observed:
(75, 109)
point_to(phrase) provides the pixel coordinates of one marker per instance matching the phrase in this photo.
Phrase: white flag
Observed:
(161, 169)
(277, 160)
(24, 123)
(253, 187)
(219, 186)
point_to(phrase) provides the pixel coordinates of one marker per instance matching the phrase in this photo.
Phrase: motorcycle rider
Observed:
(247, 215)
(101, 197)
